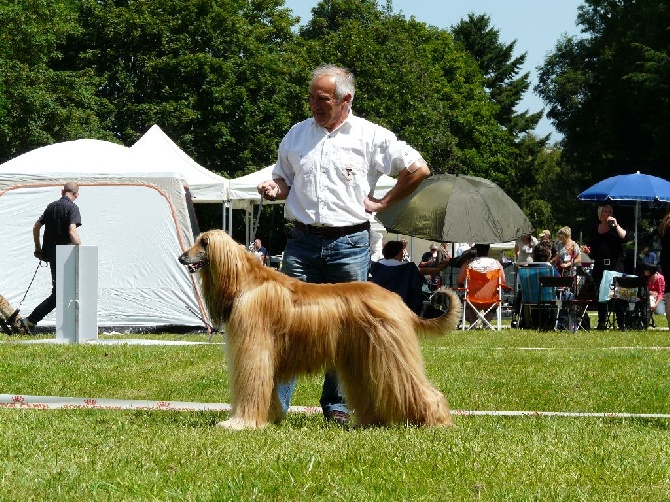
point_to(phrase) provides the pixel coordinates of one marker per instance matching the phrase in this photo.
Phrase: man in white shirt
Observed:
(326, 171)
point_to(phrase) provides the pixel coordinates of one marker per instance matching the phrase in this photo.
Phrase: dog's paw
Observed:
(236, 424)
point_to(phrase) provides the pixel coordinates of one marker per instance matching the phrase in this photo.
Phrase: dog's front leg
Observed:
(251, 381)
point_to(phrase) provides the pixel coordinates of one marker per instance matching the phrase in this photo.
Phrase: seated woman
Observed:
(403, 278)
(656, 287)
(480, 263)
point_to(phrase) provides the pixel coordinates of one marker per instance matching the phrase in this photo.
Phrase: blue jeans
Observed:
(320, 260)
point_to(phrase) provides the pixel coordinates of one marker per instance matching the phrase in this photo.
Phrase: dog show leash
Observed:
(258, 219)
(16, 312)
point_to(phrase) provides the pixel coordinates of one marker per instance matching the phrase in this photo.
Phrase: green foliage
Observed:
(227, 78)
(217, 75)
(607, 91)
(500, 69)
(414, 81)
(39, 103)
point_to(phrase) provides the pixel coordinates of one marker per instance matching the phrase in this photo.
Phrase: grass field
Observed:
(170, 455)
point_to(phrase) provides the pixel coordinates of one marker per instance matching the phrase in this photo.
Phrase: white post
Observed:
(76, 293)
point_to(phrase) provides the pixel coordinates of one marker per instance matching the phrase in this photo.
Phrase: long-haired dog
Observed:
(10, 319)
(279, 327)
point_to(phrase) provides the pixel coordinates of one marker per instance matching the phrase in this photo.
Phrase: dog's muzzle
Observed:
(193, 267)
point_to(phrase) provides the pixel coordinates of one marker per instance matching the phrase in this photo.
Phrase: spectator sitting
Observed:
(542, 252)
(648, 257)
(403, 278)
(431, 259)
(656, 287)
(480, 263)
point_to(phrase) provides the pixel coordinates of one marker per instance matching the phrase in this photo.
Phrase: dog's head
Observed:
(196, 257)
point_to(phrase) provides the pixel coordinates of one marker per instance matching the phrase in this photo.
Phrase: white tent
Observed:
(135, 214)
(157, 149)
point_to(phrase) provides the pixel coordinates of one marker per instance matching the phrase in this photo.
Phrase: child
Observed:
(656, 287)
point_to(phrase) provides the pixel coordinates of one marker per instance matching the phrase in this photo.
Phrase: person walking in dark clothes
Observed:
(60, 220)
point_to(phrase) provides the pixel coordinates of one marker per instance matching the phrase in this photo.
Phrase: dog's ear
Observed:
(204, 241)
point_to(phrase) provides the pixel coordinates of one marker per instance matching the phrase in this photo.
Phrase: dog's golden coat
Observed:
(279, 327)
(10, 319)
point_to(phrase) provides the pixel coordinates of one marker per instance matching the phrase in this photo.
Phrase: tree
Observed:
(501, 71)
(221, 77)
(413, 80)
(40, 103)
(608, 90)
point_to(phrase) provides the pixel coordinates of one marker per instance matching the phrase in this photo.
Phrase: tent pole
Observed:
(223, 218)
(230, 219)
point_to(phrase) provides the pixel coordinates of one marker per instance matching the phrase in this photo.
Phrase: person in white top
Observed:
(326, 171)
(523, 248)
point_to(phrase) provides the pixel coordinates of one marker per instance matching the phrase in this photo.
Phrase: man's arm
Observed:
(74, 235)
(408, 180)
(36, 238)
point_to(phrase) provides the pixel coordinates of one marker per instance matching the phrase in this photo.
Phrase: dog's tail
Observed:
(447, 301)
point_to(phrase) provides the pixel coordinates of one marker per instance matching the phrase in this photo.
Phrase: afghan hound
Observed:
(10, 319)
(278, 327)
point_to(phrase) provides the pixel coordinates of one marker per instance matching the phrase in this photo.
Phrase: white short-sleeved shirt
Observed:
(331, 173)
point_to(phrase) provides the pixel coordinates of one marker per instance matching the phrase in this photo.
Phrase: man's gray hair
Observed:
(344, 79)
(71, 187)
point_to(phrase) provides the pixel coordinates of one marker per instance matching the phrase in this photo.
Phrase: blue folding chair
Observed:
(531, 296)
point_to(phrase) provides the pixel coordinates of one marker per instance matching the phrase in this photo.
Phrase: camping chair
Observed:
(482, 294)
(530, 295)
(567, 312)
(630, 302)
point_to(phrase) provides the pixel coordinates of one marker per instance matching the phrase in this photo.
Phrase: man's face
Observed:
(326, 109)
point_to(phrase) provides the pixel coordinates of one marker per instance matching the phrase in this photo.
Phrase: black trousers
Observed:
(47, 305)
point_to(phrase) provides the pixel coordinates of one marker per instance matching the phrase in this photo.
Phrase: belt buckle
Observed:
(606, 261)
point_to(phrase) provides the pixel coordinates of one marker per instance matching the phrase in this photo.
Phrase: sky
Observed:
(536, 25)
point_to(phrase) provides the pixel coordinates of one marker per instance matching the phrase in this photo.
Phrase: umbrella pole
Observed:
(637, 214)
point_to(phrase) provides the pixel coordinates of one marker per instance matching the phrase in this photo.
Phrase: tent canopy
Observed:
(156, 149)
(136, 215)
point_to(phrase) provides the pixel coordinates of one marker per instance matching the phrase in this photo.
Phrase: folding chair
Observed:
(482, 293)
(530, 295)
(566, 312)
(630, 302)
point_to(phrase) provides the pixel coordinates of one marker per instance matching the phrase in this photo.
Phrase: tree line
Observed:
(225, 79)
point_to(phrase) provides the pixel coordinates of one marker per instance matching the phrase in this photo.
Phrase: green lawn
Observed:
(171, 455)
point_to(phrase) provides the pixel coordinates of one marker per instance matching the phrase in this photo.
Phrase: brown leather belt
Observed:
(331, 232)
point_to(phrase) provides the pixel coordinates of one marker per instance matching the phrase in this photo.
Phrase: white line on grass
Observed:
(56, 402)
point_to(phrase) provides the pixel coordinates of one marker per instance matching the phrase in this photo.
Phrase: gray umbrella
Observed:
(457, 208)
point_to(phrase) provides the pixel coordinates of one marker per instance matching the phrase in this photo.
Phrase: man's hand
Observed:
(268, 190)
(408, 180)
(37, 253)
(273, 189)
(372, 204)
